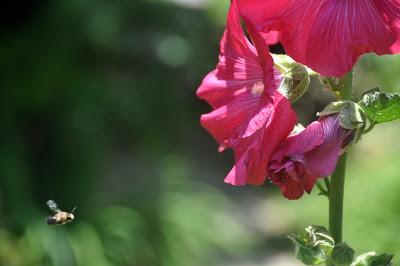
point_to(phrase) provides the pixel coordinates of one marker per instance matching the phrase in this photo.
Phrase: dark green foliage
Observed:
(95, 95)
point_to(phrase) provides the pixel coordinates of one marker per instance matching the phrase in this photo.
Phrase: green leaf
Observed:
(373, 259)
(381, 107)
(342, 255)
(313, 244)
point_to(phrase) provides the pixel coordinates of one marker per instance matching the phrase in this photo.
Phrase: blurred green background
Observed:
(98, 111)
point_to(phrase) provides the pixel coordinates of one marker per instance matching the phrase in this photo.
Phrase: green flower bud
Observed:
(295, 77)
(351, 116)
(314, 245)
(342, 255)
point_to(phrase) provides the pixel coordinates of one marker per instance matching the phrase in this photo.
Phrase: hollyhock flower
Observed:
(308, 155)
(250, 115)
(329, 35)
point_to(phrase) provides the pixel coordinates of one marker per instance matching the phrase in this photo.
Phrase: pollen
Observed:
(258, 88)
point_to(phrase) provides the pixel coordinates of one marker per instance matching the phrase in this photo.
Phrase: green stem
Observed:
(336, 200)
(336, 187)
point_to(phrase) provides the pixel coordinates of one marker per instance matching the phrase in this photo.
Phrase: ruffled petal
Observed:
(307, 156)
(322, 160)
(250, 115)
(293, 190)
(261, 118)
(278, 128)
(306, 140)
(329, 36)
(342, 32)
(238, 65)
(272, 37)
(291, 178)
(264, 57)
(390, 12)
(237, 175)
(230, 120)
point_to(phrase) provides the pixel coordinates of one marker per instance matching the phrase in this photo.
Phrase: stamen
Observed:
(258, 88)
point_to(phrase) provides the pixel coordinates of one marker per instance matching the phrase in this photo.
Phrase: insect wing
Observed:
(53, 206)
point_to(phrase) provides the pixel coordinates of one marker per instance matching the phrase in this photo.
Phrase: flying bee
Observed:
(59, 217)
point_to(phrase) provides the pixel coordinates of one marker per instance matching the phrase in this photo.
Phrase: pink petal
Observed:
(264, 56)
(238, 65)
(322, 160)
(309, 182)
(260, 118)
(249, 115)
(289, 177)
(272, 37)
(237, 175)
(330, 35)
(390, 11)
(280, 126)
(253, 153)
(307, 156)
(230, 120)
(293, 190)
(309, 138)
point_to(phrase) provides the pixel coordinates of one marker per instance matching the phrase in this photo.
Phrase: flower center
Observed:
(258, 88)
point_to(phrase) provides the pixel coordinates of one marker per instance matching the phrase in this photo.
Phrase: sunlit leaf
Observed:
(381, 107)
(373, 259)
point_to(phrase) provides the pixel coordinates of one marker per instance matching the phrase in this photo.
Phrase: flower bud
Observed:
(342, 254)
(314, 244)
(295, 77)
(351, 116)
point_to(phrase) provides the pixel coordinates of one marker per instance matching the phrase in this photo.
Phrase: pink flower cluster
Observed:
(251, 117)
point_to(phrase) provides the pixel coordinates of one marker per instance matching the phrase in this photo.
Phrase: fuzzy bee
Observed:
(59, 217)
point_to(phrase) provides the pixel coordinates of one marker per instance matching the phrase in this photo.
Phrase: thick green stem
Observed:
(336, 187)
(336, 199)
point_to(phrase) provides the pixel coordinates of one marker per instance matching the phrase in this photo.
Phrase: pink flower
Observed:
(329, 35)
(250, 115)
(308, 155)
